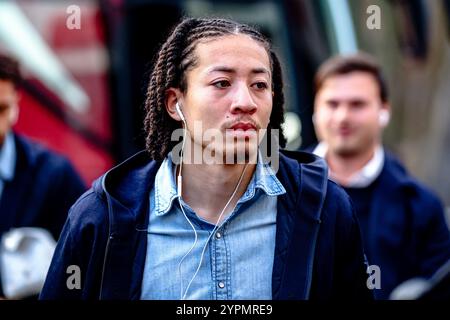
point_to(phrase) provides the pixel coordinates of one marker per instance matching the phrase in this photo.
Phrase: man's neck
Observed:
(207, 188)
(344, 167)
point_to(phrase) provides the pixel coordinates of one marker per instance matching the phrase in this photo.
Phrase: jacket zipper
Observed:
(110, 237)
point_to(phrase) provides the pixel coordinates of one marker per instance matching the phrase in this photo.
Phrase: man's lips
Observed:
(243, 126)
(344, 131)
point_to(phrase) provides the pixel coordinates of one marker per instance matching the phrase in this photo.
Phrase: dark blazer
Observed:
(44, 187)
(408, 236)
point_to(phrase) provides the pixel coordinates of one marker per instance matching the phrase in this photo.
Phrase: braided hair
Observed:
(175, 58)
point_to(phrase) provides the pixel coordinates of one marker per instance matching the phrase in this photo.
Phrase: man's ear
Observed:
(387, 106)
(314, 114)
(384, 115)
(173, 95)
(14, 114)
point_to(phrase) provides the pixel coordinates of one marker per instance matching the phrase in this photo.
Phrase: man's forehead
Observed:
(352, 85)
(350, 98)
(232, 64)
(224, 68)
(355, 79)
(6, 86)
(8, 95)
(231, 52)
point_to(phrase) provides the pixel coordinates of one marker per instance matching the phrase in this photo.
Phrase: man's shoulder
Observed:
(412, 188)
(48, 168)
(125, 186)
(298, 169)
(308, 177)
(36, 154)
(90, 210)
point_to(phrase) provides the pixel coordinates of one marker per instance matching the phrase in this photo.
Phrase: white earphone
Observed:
(384, 117)
(179, 191)
(177, 106)
(179, 182)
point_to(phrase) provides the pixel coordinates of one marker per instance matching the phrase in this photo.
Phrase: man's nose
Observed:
(243, 100)
(342, 113)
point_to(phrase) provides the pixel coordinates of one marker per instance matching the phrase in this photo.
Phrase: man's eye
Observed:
(260, 85)
(221, 84)
(332, 104)
(3, 107)
(358, 104)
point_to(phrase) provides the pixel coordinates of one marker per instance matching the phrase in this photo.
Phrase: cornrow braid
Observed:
(175, 58)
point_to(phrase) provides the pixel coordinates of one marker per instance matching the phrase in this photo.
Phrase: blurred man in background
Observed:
(37, 187)
(403, 224)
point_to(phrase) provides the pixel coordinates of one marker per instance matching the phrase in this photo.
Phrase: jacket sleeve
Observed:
(75, 270)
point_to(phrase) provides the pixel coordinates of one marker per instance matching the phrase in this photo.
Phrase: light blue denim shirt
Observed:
(7, 161)
(238, 260)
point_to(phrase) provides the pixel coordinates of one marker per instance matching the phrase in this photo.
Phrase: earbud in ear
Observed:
(383, 118)
(177, 106)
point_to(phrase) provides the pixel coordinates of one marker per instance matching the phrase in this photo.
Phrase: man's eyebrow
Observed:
(357, 100)
(261, 70)
(351, 99)
(231, 70)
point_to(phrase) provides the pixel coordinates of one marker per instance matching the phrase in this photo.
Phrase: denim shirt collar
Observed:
(7, 158)
(166, 188)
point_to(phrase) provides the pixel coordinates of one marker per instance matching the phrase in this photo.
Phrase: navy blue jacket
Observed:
(318, 249)
(44, 187)
(407, 234)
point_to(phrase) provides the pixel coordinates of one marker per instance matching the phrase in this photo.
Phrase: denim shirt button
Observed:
(218, 235)
(221, 285)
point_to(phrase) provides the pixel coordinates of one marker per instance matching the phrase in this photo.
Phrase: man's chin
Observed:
(345, 151)
(238, 152)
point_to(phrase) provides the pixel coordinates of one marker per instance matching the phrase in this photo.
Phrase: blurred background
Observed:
(87, 63)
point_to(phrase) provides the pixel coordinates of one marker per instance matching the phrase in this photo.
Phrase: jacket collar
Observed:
(128, 183)
(125, 186)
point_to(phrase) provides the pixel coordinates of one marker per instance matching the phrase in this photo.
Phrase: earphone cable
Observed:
(213, 231)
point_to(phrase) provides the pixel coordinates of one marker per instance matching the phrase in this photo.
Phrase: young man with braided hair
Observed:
(163, 227)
